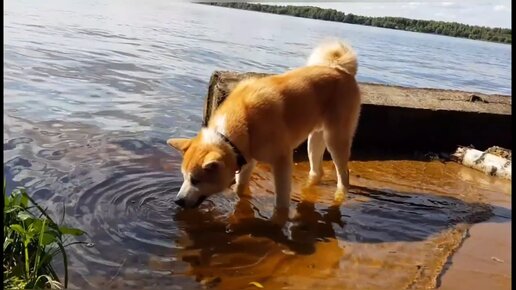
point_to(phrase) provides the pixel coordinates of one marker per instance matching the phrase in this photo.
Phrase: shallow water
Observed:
(93, 89)
(399, 224)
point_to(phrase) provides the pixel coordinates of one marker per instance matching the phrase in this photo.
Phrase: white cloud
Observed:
(499, 8)
(411, 5)
(447, 4)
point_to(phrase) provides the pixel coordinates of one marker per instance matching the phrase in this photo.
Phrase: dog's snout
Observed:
(180, 201)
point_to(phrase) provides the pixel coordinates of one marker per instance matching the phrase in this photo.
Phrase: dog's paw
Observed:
(280, 216)
(243, 190)
(313, 180)
(232, 223)
(340, 196)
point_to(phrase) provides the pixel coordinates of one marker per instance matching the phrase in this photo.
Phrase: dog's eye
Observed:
(194, 181)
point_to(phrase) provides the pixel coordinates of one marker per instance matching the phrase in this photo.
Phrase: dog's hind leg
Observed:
(316, 149)
(339, 146)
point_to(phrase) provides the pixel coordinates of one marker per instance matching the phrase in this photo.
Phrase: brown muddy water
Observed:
(92, 89)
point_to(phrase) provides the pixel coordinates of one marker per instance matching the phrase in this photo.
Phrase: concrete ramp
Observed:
(405, 121)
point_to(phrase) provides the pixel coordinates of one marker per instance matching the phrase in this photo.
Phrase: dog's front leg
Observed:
(243, 177)
(282, 170)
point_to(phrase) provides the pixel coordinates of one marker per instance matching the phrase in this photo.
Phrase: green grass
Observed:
(32, 240)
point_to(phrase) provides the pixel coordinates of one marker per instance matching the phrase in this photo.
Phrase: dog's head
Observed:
(208, 167)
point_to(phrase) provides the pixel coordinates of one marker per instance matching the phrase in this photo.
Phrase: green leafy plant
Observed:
(31, 241)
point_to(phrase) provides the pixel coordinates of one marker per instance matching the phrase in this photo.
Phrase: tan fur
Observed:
(266, 118)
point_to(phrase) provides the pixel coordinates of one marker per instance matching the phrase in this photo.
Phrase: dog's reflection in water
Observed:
(246, 246)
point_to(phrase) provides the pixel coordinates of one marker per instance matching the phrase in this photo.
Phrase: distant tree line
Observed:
(454, 29)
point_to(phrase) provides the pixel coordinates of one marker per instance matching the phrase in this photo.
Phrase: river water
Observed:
(92, 89)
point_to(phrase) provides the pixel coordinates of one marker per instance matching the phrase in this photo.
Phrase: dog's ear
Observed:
(212, 162)
(180, 144)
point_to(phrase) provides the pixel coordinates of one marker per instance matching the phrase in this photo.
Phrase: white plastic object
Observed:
(486, 162)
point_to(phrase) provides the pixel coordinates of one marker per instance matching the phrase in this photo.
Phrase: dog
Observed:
(265, 119)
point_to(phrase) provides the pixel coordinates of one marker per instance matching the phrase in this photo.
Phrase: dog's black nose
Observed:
(180, 202)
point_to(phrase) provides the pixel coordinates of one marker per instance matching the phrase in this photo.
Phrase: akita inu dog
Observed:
(265, 119)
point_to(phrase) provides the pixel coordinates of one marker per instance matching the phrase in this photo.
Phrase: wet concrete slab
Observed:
(396, 230)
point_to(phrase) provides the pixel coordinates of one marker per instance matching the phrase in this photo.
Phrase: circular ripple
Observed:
(130, 213)
(130, 201)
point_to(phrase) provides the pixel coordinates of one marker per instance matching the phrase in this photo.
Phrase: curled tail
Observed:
(336, 54)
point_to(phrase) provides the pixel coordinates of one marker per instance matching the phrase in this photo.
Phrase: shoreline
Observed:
(376, 26)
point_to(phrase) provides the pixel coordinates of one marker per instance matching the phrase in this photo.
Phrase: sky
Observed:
(491, 13)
